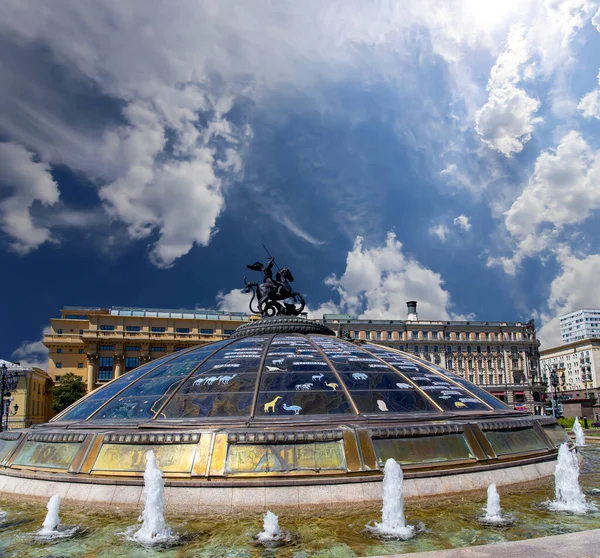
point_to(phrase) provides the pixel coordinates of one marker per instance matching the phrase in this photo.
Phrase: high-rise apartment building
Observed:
(581, 324)
(99, 344)
(501, 357)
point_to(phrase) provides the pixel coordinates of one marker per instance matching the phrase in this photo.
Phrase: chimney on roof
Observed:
(412, 311)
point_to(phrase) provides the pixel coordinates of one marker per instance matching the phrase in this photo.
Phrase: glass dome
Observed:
(279, 375)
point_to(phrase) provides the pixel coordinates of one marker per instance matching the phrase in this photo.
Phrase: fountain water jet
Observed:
(271, 530)
(51, 528)
(154, 529)
(493, 511)
(579, 435)
(568, 495)
(393, 523)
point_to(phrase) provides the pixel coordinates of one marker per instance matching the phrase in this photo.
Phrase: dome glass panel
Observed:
(281, 375)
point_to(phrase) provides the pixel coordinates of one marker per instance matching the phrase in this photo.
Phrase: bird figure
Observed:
(459, 404)
(294, 408)
(332, 385)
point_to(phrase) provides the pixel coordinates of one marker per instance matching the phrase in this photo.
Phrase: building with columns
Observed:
(502, 357)
(577, 366)
(99, 344)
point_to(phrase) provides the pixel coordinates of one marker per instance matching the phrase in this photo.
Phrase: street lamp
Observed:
(8, 382)
(554, 384)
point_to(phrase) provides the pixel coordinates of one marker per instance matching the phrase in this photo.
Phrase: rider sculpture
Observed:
(272, 294)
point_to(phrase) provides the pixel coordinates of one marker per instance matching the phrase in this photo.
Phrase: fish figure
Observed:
(382, 406)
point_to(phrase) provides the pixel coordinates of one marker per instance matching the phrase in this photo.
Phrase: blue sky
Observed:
(383, 151)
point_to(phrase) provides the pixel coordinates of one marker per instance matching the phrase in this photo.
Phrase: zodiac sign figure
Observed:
(294, 408)
(332, 385)
(270, 406)
(359, 376)
(382, 406)
(317, 377)
(459, 404)
(271, 294)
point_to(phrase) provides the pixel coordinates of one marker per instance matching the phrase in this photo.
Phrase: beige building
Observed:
(31, 402)
(501, 357)
(99, 344)
(577, 365)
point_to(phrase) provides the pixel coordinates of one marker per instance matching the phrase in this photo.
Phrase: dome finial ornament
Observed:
(272, 294)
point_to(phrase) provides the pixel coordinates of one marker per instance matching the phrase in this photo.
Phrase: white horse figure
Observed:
(304, 387)
(359, 376)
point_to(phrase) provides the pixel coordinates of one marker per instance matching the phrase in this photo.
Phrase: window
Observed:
(401, 347)
(80, 365)
(206, 331)
(389, 334)
(416, 349)
(415, 334)
(426, 348)
(57, 378)
(477, 335)
(469, 349)
(131, 363)
(182, 330)
(158, 330)
(479, 349)
(424, 335)
(355, 334)
(481, 378)
(105, 368)
(230, 331)
(59, 331)
(378, 334)
(434, 335)
(132, 347)
(106, 347)
(436, 349)
(80, 351)
(59, 351)
(448, 335)
(107, 328)
(449, 362)
(59, 365)
(157, 349)
(76, 317)
(471, 378)
(81, 332)
(449, 349)
(132, 328)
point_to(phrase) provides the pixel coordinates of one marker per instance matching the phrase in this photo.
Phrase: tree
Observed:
(70, 389)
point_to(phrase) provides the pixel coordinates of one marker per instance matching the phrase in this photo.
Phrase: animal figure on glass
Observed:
(359, 376)
(270, 406)
(332, 385)
(294, 408)
(278, 361)
(459, 404)
(224, 380)
(273, 368)
(304, 387)
(317, 377)
(208, 380)
(273, 293)
(402, 385)
(382, 406)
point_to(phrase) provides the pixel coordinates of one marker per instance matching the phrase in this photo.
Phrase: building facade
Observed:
(501, 357)
(31, 402)
(577, 365)
(99, 344)
(579, 325)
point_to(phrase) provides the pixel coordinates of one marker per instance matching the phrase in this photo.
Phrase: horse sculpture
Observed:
(274, 296)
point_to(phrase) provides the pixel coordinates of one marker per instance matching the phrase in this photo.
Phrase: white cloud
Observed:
(441, 231)
(28, 182)
(575, 287)
(596, 20)
(297, 230)
(567, 16)
(506, 122)
(378, 281)
(32, 353)
(235, 300)
(463, 222)
(590, 103)
(563, 190)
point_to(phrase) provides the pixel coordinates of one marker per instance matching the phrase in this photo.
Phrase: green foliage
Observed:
(567, 423)
(70, 389)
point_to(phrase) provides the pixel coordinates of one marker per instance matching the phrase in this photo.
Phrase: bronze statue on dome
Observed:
(275, 296)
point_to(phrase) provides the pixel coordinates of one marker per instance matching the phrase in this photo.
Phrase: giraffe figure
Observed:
(270, 406)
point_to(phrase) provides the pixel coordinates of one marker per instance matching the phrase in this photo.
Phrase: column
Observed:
(119, 360)
(92, 373)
